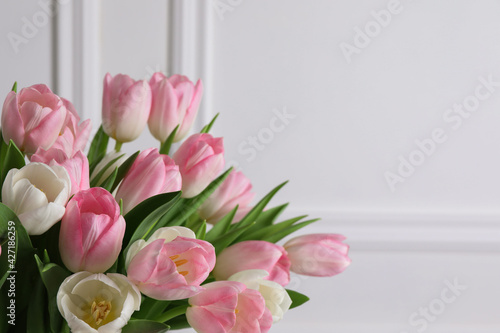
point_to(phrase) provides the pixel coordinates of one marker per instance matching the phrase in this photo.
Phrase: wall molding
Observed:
(189, 48)
(410, 231)
(78, 54)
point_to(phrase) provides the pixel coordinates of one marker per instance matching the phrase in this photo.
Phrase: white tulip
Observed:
(166, 233)
(102, 164)
(97, 303)
(37, 193)
(277, 299)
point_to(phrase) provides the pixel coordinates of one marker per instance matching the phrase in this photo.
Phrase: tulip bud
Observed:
(32, 118)
(277, 299)
(151, 173)
(97, 303)
(77, 166)
(74, 136)
(125, 107)
(228, 306)
(318, 254)
(168, 266)
(37, 193)
(234, 191)
(254, 255)
(92, 231)
(175, 102)
(200, 159)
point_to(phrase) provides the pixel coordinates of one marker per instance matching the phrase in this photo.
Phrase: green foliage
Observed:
(165, 147)
(208, 127)
(98, 148)
(297, 298)
(10, 158)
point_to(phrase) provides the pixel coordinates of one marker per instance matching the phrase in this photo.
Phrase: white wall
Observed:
(352, 119)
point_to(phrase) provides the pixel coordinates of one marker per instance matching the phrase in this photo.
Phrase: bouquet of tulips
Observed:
(105, 242)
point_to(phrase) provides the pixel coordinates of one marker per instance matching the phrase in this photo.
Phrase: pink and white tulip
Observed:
(228, 306)
(254, 255)
(200, 159)
(125, 107)
(77, 166)
(37, 193)
(151, 173)
(32, 118)
(318, 254)
(75, 135)
(92, 231)
(234, 191)
(277, 299)
(175, 102)
(170, 269)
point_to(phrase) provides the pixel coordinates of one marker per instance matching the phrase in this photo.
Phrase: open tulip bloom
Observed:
(103, 241)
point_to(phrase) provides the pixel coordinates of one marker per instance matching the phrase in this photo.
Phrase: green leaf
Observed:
(151, 308)
(221, 227)
(14, 87)
(227, 239)
(98, 147)
(13, 159)
(144, 326)
(208, 127)
(253, 215)
(270, 215)
(19, 253)
(282, 234)
(261, 233)
(108, 183)
(297, 298)
(201, 231)
(37, 310)
(52, 277)
(186, 207)
(123, 169)
(95, 181)
(165, 147)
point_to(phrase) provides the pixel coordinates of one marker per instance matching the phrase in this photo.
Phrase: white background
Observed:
(352, 120)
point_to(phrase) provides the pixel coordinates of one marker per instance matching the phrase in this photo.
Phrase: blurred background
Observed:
(383, 114)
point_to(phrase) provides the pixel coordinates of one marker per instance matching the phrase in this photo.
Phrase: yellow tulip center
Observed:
(179, 263)
(100, 310)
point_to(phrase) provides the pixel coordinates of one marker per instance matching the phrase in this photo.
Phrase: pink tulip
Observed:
(92, 231)
(32, 118)
(228, 306)
(125, 107)
(74, 136)
(151, 173)
(200, 159)
(172, 270)
(235, 190)
(77, 166)
(254, 255)
(175, 102)
(318, 254)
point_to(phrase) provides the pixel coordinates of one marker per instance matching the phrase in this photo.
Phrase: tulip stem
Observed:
(177, 311)
(118, 146)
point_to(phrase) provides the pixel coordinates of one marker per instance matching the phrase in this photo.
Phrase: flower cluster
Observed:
(104, 241)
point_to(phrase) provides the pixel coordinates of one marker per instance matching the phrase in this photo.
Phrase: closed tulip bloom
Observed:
(175, 102)
(234, 191)
(277, 299)
(74, 135)
(76, 166)
(125, 107)
(318, 254)
(254, 255)
(37, 193)
(92, 231)
(170, 269)
(200, 159)
(32, 118)
(97, 303)
(228, 306)
(151, 173)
